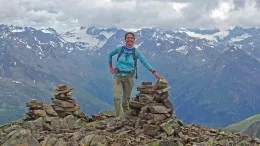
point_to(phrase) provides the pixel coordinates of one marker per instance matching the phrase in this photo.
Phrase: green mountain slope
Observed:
(243, 124)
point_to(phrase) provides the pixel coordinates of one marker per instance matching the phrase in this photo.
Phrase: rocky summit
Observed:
(149, 123)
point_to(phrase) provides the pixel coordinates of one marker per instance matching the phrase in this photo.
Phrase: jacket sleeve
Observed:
(112, 53)
(143, 60)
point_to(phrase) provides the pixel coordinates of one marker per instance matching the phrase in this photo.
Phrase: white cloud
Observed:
(179, 6)
(130, 14)
(223, 10)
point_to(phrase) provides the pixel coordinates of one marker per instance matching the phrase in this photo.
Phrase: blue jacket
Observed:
(126, 60)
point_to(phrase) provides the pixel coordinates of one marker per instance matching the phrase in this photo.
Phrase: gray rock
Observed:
(49, 110)
(86, 140)
(60, 142)
(22, 137)
(158, 117)
(38, 123)
(158, 109)
(168, 126)
(71, 121)
(12, 128)
(63, 104)
(98, 140)
(49, 141)
(151, 130)
(29, 125)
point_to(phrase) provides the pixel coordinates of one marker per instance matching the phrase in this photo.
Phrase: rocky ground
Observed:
(149, 123)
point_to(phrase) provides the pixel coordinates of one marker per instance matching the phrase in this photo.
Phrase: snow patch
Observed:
(240, 38)
(170, 50)
(47, 31)
(107, 34)
(210, 37)
(27, 46)
(182, 50)
(169, 36)
(78, 35)
(17, 82)
(61, 44)
(18, 30)
(198, 48)
(52, 43)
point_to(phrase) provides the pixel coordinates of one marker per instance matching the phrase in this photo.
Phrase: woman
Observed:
(124, 72)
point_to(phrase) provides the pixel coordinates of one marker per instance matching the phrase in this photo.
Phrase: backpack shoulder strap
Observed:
(120, 53)
(135, 59)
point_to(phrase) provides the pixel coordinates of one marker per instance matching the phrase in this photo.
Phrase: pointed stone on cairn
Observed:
(63, 102)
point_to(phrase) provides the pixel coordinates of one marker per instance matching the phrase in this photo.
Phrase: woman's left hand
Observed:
(156, 75)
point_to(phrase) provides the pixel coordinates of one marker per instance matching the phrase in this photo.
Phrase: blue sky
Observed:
(64, 15)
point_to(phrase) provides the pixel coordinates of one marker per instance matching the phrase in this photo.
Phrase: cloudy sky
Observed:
(63, 15)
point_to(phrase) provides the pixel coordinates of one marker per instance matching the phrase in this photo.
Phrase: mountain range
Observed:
(214, 74)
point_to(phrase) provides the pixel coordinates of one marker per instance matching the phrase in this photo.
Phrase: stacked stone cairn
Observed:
(152, 107)
(63, 105)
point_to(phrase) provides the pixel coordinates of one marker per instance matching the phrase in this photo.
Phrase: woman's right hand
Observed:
(112, 70)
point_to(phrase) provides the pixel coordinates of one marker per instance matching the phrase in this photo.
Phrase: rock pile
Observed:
(150, 123)
(153, 109)
(39, 109)
(63, 102)
(63, 105)
(152, 99)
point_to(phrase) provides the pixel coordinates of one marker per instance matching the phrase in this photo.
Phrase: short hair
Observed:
(130, 33)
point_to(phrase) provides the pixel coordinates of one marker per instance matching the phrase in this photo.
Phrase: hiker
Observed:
(125, 71)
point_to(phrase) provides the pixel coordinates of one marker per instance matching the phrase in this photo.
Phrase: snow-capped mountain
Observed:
(91, 38)
(214, 74)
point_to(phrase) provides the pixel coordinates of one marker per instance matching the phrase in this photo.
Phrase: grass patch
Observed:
(243, 124)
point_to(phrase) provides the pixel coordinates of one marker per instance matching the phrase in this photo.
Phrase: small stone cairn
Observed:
(63, 105)
(152, 107)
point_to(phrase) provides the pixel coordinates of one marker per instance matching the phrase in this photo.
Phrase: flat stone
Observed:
(135, 104)
(160, 91)
(63, 104)
(146, 98)
(147, 92)
(67, 90)
(151, 130)
(144, 87)
(158, 109)
(49, 110)
(39, 112)
(158, 117)
(147, 83)
(60, 87)
(34, 105)
(63, 97)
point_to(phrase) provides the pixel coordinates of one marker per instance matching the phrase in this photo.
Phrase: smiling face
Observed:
(129, 40)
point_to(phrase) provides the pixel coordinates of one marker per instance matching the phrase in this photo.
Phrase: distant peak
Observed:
(49, 30)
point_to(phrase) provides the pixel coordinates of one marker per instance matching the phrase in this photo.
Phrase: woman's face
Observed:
(130, 40)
